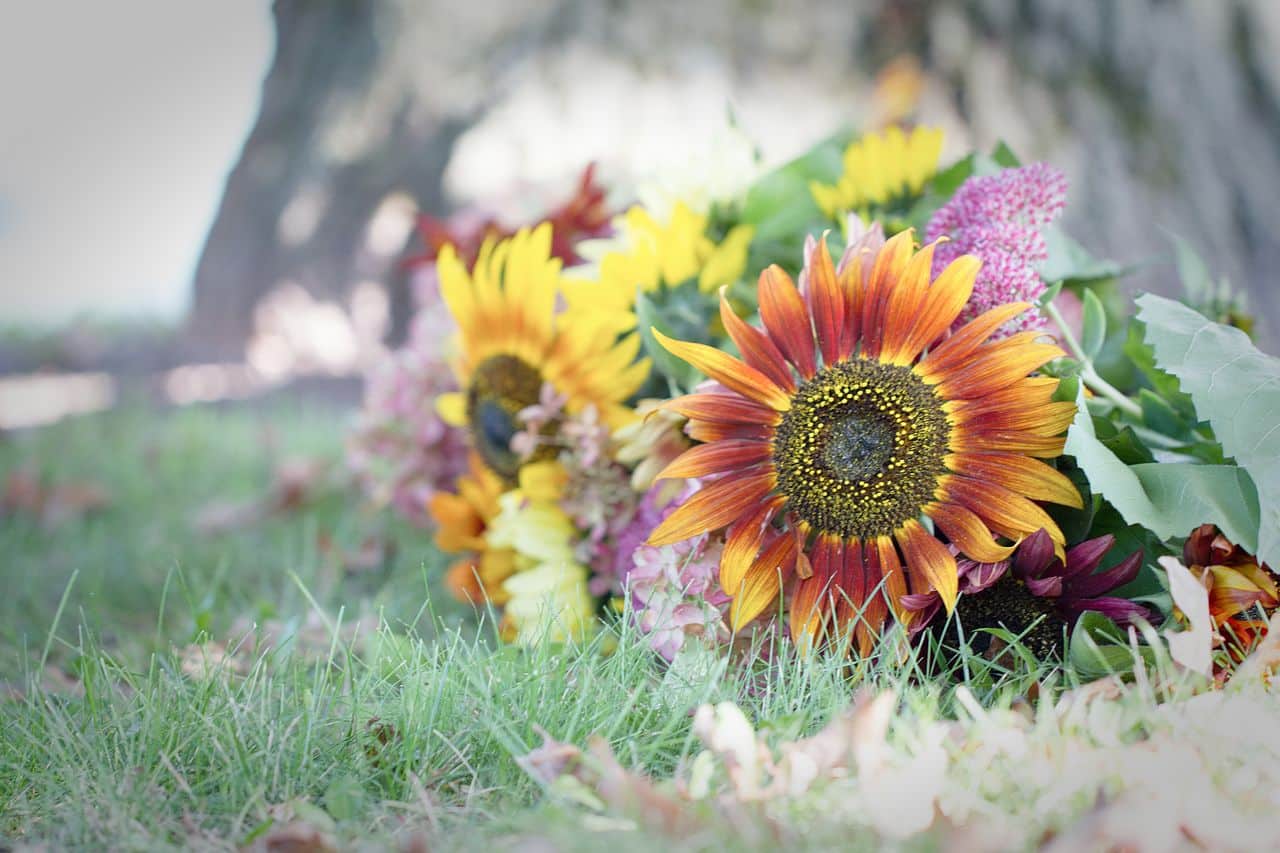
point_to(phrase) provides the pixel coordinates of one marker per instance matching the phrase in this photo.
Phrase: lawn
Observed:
(207, 640)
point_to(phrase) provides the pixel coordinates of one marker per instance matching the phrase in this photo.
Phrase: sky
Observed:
(118, 124)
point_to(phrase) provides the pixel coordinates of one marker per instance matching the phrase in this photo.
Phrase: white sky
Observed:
(118, 123)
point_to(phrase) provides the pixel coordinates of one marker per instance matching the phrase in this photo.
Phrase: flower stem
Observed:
(1087, 372)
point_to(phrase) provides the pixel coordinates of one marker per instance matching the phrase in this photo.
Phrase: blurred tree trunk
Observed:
(363, 101)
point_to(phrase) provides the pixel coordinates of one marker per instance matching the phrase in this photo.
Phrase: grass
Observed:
(145, 710)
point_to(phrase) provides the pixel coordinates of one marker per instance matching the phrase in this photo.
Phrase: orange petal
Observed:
(929, 560)
(724, 408)
(895, 579)
(826, 302)
(906, 301)
(995, 366)
(713, 506)
(784, 315)
(875, 610)
(890, 264)
(969, 337)
(807, 607)
(1023, 475)
(757, 348)
(1003, 510)
(1046, 419)
(719, 457)
(710, 431)
(728, 371)
(763, 581)
(743, 544)
(967, 532)
(1011, 441)
(942, 304)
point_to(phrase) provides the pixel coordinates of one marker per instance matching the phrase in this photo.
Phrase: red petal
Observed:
(724, 408)
(757, 349)
(826, 302)
(784, 315)
(714, 506)
(719, 457)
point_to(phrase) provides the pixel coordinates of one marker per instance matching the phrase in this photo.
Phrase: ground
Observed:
(210, 641)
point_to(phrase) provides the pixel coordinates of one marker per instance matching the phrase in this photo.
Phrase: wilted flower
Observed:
(1000, 219)
(584, 215)
(650, 443)
(1243, 592)
(1040, 597)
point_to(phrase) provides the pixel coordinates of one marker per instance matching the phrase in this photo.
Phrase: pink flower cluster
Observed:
(675, 589)
(597, 496)
(401, 451)
(1000, 218)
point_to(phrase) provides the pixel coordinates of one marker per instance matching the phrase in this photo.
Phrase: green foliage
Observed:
(780, 205)
(1170, 499)
(1236, 388)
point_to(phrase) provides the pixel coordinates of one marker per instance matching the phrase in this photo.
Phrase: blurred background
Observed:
(219, 197)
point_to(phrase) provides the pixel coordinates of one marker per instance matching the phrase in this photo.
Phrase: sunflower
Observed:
(847, 420)
(881, 168)
(461, 522)
(1243, 590)
(511, 342)
(648, 254)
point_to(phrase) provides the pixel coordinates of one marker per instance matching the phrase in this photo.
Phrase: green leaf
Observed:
(1197, 282)
(1004, 156)
(1099, 647)
(1167, 498)
(1094, 333)
(1074, 523)
(780, 204)
(1143, 357)
(1234, 386)
(1069, 261)
(649, 317)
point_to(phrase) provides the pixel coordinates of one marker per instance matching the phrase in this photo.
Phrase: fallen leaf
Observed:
(551, 760)
(1193, 648)
(295, 837)
(50, 504)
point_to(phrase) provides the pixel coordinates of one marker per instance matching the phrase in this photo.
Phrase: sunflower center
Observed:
(500, 387)
(860, 451)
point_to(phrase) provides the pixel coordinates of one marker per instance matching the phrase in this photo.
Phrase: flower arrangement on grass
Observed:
(733, 417)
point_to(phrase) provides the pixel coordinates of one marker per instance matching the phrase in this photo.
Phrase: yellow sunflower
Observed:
(648, 254)
(880, 168)
(511, 341)
(852, 416)
(461, 522)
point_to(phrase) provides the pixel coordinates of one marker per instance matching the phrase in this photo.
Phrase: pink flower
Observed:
(1000, 218)
(674, 589)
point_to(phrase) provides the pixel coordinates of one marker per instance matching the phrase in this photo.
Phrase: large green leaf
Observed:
(1235, 387)
(1170, 499)
(780, 205)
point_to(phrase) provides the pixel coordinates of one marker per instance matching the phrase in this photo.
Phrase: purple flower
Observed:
(1000, 218)
(1036, 587)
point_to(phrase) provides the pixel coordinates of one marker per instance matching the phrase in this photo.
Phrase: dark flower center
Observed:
(500, 388)
(1010, 605)
(861, 449)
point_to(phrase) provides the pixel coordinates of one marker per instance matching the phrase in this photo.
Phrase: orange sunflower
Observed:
(848, 419)
(461, 522)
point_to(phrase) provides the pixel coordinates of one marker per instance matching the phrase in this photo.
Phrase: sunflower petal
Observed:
(826, 301)
(895, 579)
(889, 266)
(722, 408)
(967, 532)
(757, 348)
(763, 582)
(728, 371)
(996, 366)
(929, 559)
(906, 302)
(1023, 475)
(717, 458)
(713, 506)
(452, 408)
(743, 544)
(943, 302)
(787, 319)
(968, 338)
(1003, 510)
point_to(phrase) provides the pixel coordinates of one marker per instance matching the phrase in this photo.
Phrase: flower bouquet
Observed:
(870, 394)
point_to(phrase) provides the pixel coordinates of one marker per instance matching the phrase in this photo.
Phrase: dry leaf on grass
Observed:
(294, 837)
(50, 504)
(295, 483)
(1192, 648)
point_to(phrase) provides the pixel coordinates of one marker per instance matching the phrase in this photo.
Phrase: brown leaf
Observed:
(26, 494)
(550, 761)
(636, 796)
(294, 837)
